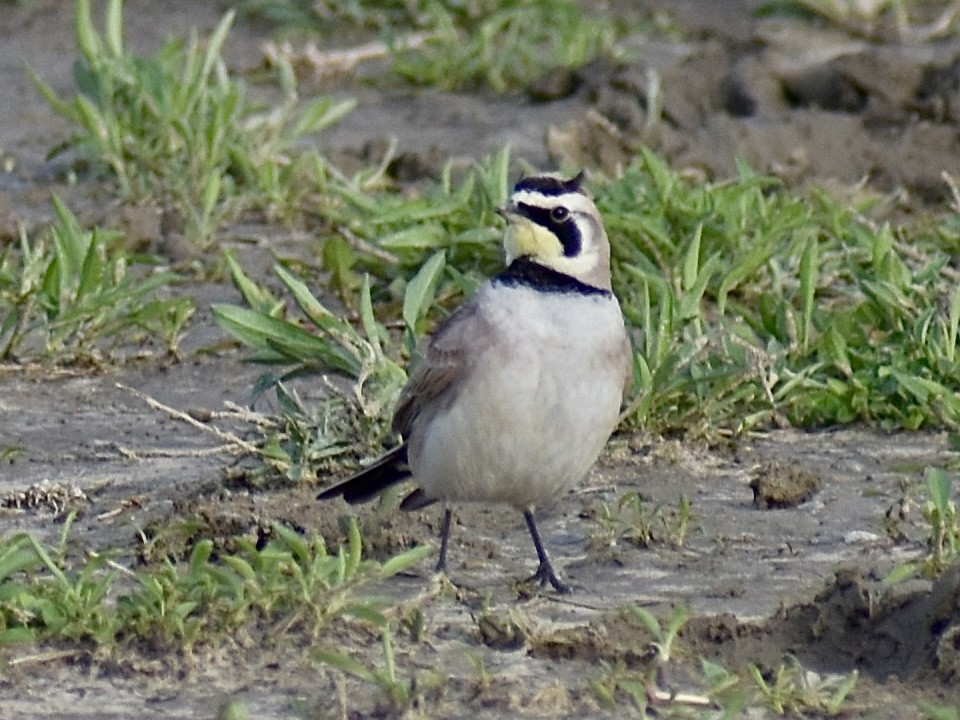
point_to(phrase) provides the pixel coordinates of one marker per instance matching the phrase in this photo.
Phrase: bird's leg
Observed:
(444, 539)
(544, 573)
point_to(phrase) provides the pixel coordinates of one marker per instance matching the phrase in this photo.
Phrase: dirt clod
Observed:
(777, 484)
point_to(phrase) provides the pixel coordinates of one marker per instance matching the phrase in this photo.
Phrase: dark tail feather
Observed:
(417, 500)
(370, 482)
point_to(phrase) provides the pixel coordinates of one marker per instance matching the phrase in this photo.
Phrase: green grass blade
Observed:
(114, 28)
(420, 291)
(88, 41)
(354, 548)
(320, 115)
(284, 338)
(809, 272)
(367, 318)
(345, 663)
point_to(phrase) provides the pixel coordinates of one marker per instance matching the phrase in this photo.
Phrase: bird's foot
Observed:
(545, 574)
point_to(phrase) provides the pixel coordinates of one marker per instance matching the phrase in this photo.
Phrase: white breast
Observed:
(538, 402)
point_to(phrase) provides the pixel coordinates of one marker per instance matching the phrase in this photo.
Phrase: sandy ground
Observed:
(821, 107)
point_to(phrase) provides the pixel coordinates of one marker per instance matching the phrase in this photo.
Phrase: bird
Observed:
(519, 389)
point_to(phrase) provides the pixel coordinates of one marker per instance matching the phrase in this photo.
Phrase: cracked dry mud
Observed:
(801, 577)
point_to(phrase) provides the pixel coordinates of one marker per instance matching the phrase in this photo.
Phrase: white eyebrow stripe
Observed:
(572, 201)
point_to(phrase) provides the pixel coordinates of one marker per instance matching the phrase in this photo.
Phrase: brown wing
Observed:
(444, 360)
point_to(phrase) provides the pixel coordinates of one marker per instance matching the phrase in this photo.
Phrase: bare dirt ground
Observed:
(809, 104)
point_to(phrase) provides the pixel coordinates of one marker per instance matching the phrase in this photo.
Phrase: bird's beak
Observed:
(507, 212)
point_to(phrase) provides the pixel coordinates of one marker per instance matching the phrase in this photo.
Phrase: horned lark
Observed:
(519, 390)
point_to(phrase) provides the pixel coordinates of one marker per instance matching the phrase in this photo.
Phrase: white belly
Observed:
(535, 408)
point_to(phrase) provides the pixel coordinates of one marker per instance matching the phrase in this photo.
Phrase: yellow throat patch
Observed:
(526, 238)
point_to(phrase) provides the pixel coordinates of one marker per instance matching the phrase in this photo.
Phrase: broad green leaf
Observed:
(420, 290)
(406, 559)
(342, 661)
(16, 557)
(17, 636)
(939, 487)
(691, 261)
(292, 540)
(286, 339)
(834, 348)
(200, 556)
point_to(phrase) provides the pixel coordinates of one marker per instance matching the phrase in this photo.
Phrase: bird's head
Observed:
(554, 223)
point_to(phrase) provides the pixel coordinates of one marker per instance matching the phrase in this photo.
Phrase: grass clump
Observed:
(177, 129)
(355, 416)
(752, 305)
(503, 44)
(69, 295)
(291, 582)
(304, 440)
(497, 44)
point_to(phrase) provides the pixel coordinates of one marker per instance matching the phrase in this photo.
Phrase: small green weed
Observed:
(401, 693)
(941, 513)
(176, 128)
(720, 681)
(943, 529)
(11, 453)
(663, 637)
(70, 295)
(65, 604)
(633, 522)
(795, 690)
(617, 680)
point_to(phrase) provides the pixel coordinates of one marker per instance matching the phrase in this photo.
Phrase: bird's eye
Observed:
(559, 213)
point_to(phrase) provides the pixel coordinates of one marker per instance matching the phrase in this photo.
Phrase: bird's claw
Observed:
(545, 574)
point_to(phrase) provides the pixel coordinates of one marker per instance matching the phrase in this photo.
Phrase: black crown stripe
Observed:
(549, 185)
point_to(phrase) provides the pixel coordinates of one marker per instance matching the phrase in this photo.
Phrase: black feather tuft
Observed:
(371, 481)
